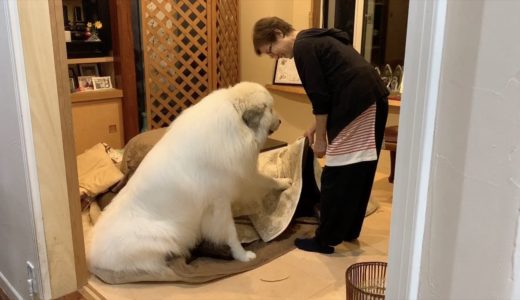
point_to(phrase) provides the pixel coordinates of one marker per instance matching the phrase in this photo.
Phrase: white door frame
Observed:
(359, 19)
(423, 60)
(42, 286)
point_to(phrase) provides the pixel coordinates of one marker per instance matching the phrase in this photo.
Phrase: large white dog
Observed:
(183, 189)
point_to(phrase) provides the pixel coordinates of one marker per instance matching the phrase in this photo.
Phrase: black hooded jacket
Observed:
(337, 79)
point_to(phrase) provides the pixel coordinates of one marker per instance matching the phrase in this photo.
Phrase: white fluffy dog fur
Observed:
(182, 191)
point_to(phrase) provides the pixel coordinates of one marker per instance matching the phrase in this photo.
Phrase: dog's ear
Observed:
(252, 116)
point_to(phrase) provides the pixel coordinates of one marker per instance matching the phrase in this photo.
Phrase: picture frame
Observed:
(285, 72)
(78, 14)
(65, 15)
(72, 85)
(103, 82)
(89, 70)
(72, 72)
(85, 83)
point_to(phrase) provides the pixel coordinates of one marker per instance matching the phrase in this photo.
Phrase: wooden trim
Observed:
(211, 25)
(96, 95)
(72, 296)
(298, 90)
(91, 293)
(238, 41)
(3, 295)
(394, 106)
(146, 66)
(69, 152)
(315, 13)
(124, 63)
(90, 60)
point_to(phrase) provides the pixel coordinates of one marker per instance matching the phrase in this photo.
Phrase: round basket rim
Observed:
(359, 264)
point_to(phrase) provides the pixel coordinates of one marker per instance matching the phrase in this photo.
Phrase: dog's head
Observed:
(255, 104)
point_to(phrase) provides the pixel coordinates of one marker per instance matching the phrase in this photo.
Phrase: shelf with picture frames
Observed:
(103, 67)
(86, 96)
(394, 102)
(90, 60)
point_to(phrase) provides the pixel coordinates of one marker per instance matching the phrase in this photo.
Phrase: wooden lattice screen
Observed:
(190, 48)
(227, 42)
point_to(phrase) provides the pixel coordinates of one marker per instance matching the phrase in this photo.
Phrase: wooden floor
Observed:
(72, 296)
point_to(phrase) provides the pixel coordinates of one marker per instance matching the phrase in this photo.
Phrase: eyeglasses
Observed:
(269, 50)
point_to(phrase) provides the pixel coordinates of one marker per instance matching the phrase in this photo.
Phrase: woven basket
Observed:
(366, 281)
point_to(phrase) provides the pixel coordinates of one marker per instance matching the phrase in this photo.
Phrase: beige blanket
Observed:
(273, 217)
(270, 221)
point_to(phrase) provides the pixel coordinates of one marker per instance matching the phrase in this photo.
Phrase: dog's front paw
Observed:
(283, 183)
(245, 256)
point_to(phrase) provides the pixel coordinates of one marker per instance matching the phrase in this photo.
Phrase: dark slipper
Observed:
(311, 245)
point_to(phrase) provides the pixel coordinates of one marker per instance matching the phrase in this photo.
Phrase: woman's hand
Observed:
(320, 147)
(309, 134)
(317, 136)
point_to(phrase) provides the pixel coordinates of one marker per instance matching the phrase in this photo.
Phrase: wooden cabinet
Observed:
(104, 115)
(97, 115)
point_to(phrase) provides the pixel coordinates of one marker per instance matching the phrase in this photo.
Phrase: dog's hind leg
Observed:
(218, 227)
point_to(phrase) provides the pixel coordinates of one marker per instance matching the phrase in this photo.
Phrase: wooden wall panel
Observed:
(124, 63)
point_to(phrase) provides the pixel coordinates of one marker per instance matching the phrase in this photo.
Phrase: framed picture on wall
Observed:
(89, 70)
(285, 72)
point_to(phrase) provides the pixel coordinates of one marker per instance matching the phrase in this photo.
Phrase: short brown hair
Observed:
(263, 31)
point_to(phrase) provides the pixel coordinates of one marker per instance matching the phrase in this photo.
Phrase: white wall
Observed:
(474, 199)
(253, 67)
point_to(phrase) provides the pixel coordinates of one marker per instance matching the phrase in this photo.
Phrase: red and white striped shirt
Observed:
(356, 142)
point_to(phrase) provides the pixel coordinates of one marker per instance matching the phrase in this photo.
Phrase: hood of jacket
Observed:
(333, 32)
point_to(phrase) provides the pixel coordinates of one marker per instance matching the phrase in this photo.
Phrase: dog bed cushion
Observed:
(96, 171)
(269, 229)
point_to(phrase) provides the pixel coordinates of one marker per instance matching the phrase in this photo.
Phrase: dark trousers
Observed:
(345, 191)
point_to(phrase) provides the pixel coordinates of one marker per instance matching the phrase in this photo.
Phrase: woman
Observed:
(350, 106)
